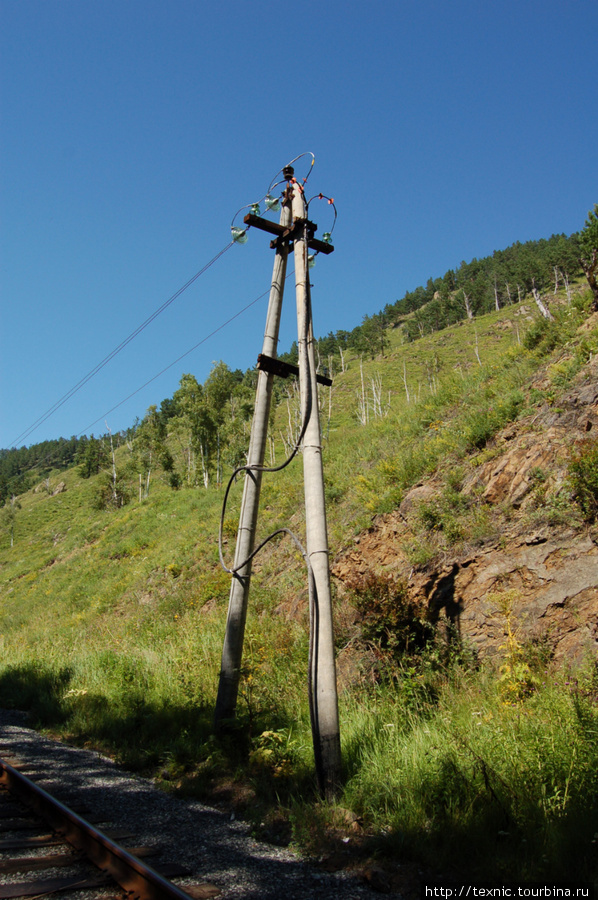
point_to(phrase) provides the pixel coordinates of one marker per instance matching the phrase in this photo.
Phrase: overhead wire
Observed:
(40, 463)
(179, 358)
(97, 368)
(253, 467)
(330, 202)
(83, 381)
(309, 171)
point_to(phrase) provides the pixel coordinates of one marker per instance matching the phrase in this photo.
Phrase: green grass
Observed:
(112, 627)
(470, 783)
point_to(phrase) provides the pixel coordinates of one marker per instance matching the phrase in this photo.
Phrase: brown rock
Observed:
(420, 494)
(550, 571)
(510, 477)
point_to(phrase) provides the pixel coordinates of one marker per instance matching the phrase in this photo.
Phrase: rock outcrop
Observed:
(546, 560)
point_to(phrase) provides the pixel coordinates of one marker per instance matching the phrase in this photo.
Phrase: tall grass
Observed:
(471, 783)
(112, 627)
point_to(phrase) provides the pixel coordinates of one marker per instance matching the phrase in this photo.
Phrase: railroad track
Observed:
(40, 834)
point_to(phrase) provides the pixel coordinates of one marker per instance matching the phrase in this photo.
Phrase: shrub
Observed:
(583, 473)
(390, 620)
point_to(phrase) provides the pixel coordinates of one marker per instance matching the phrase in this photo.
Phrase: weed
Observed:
(516, 679)
(273, 751)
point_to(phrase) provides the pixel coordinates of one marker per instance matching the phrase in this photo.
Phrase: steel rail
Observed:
(129, 872)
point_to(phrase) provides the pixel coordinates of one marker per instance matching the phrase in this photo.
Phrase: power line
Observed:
(40, 462)
(178, 359)
(83, 381)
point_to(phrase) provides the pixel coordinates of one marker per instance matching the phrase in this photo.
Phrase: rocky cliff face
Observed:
(541, 554)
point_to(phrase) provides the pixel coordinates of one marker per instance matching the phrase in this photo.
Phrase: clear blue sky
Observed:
(133, 131)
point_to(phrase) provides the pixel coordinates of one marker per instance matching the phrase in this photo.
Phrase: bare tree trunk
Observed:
(567, 287)
(376, 386)
(204, 466)
(342, 355)
(477, 349)
(405, 382)
(114, 491)
(218, 472)
(541, 305)
(362, 405)
(468, 308)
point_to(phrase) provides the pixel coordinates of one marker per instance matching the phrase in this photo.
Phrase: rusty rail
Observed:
(130, 873)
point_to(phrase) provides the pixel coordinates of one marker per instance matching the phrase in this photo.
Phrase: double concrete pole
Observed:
(322, 673)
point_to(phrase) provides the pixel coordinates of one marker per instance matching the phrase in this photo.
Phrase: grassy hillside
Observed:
(113, 620)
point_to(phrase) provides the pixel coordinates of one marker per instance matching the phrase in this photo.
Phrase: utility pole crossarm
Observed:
(289, 233)
(284, 369)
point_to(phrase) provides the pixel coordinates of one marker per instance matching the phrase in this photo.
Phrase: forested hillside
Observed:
(461, 468)
(209, 422)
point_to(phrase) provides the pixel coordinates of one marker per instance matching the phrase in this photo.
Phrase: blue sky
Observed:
(133, 131)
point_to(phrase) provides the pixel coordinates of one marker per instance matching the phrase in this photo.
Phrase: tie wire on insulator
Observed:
(239, 234)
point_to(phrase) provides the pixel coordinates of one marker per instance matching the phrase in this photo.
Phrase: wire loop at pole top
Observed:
(301, 155)
(274, 183)
(330, 202)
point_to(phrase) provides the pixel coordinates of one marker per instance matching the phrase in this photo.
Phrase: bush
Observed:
(390, 621)
(583, 472)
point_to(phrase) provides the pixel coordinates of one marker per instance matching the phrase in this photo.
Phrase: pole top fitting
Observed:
(288, 173)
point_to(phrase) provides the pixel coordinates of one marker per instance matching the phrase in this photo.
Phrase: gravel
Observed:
(215, 848)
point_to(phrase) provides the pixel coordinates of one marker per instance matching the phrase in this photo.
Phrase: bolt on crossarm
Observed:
(232, 652)
(323, 689)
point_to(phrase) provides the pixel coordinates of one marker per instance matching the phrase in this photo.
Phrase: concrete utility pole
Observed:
(294, 227)
(323, 691)
(232, 652)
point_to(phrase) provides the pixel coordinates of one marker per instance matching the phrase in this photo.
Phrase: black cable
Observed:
(312, 587)
(121, 346)
(331, 203)
(260, 468)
